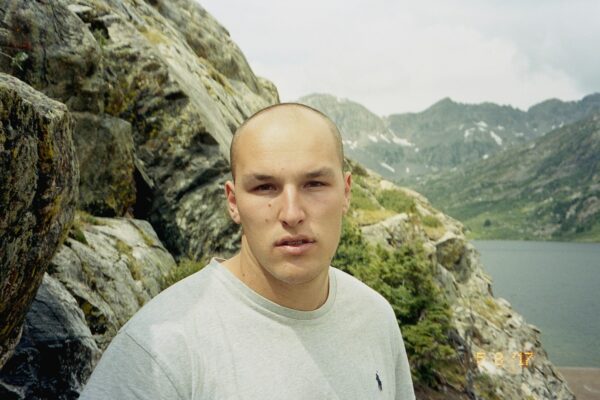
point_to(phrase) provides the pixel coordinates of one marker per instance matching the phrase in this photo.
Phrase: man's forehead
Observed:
(281, 134)
(285, 112)
(256, 175)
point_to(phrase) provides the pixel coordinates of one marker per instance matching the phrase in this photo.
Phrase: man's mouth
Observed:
(297, 240)
(295, 245)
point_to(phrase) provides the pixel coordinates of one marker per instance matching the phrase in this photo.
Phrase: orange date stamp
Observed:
(505, 360)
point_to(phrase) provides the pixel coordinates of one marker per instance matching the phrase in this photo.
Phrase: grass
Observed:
(396, 200)
(370, 217)
(431, 221)
(363, 200)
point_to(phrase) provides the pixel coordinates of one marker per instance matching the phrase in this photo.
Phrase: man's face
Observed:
(275, 195)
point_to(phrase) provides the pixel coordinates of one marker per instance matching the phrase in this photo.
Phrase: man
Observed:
(275, 321)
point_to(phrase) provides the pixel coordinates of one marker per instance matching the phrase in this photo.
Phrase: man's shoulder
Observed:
(356, 294)
(174, 311)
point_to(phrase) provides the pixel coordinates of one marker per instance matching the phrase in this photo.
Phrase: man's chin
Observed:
(297, 273)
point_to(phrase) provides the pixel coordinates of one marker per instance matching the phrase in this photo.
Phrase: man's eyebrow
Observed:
(321, 172)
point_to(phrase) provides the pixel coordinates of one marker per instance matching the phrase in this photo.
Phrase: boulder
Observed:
(39, 177)
(112, 267)
(104, 148)
(46, 45)
(56, 353)
(104, 272)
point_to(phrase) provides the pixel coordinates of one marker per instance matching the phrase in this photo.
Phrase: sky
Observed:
(395, 56)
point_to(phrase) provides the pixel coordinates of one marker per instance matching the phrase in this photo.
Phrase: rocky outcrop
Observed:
(211, 41)
(112, 267)
(492, 339)
(38, 191)
(57, 352)
(172, 72)
(103, 273)
(106, 163)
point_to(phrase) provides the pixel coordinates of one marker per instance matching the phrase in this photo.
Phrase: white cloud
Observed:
(397, 56)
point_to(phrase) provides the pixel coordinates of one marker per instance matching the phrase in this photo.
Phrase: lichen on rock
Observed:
(38, 191)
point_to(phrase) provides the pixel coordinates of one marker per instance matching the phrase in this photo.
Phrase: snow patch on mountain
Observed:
(387, 166)
(402, 142)
(496, 138)
(351, 144)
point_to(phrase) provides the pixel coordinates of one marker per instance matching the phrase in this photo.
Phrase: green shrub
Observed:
(396, 200)
(360, 199)
(431, 221)
(404, 276)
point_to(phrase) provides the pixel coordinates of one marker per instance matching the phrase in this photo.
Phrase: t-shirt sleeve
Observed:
(404, 384)
(127, 371)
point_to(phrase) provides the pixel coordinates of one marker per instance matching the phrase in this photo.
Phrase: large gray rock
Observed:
(106, 270)
(106, 164)
(211, 41)
(112, 267)
(39, 177)
(56, 353)
(50, 48)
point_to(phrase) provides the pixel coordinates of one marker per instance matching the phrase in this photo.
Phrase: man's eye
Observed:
(264, 187)
(316, 183)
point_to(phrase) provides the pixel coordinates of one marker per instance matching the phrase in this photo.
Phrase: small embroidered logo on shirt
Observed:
(378, 381)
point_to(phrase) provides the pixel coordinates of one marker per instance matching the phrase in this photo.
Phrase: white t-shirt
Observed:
(210, 336)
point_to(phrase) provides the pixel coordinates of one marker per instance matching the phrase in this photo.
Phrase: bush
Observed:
(361, 200)
(396, 200)
(404, 277)
(431, 221)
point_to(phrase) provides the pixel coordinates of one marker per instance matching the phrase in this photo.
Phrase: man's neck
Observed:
(306, 296)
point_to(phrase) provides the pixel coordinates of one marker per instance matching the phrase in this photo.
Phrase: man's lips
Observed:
(294, 241)
(296, 249)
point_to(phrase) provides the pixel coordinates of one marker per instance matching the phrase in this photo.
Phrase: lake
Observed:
(556, 287)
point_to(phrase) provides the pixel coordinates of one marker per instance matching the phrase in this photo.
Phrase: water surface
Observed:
(556, 287)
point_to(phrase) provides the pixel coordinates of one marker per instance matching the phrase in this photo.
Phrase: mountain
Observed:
(547, 190)
(365, 135)
(407, 147)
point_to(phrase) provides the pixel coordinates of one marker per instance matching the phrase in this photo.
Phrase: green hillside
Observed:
(546, 190)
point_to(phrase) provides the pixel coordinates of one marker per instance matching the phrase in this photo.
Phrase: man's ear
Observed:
(347, 191)
(232, 202)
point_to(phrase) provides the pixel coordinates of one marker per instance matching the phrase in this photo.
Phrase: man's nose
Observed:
(292, 211)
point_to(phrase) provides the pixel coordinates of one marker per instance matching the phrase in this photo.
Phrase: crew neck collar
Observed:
(262, 302)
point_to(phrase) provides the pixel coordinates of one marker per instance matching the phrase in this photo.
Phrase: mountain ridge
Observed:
(548, 190)
(406, 147)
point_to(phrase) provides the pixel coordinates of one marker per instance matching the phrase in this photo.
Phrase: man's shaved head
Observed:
(289, 111)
